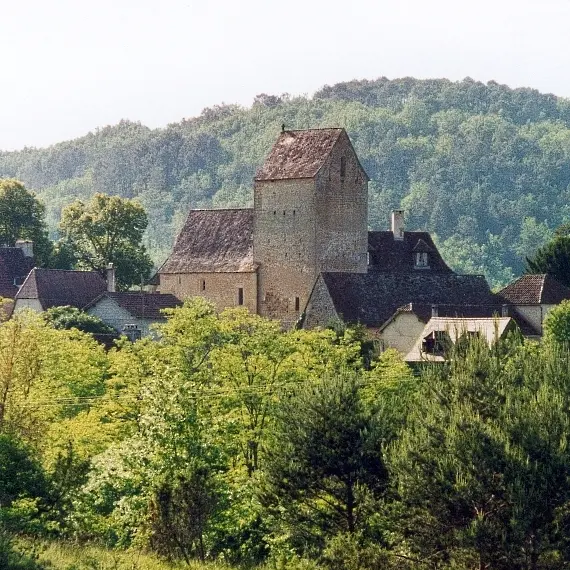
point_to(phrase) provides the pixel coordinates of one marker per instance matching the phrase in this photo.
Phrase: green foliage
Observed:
(22, 217)
(553, 258)
(108, 229)
(469, 161)
(71, 317)
(324, 470)
(557, 324)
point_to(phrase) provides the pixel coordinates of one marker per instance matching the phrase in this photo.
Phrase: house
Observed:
(531, 297)
(45, 288)
(15, 263)
(442, 332)
(131, 312)
(309, 216)
(405, 270)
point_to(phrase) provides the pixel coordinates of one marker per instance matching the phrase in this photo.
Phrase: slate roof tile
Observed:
(213, 241)
(372, 298)
(389, 254)
(14, 266)
(141, 305)
(58, 287)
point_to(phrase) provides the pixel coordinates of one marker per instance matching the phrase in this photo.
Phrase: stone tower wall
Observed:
(342, 210)
(284, 246)
(305, 226)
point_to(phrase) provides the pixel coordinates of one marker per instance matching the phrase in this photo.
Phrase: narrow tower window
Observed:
(297, 303)
(240, 296)
(342, 166)
(203, 285)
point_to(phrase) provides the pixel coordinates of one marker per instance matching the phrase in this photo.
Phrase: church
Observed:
(304, 255)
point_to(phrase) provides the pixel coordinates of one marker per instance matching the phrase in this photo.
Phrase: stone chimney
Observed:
(27, 246)
(434, 311)
(398, 224)
(504, 310)
(110, 278)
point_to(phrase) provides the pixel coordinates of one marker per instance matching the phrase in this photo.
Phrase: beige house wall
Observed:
(402, 332)
(33, 304)
(219, 288)
(115, 316)
(534, 314)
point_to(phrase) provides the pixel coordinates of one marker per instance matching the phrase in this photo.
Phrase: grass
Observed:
(66, 556)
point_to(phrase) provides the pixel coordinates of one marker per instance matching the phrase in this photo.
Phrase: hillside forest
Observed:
(483, 167)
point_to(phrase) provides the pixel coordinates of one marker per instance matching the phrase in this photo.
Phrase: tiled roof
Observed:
(141, 305)
(298, 154)
(538, 289)
(213, 240)
(389, 254)
(14, 266)
(372, 298)
(58, 287)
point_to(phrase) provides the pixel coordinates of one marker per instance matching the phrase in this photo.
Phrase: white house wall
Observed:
(115, 316)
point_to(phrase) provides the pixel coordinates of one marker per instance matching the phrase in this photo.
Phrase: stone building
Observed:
(309, 216)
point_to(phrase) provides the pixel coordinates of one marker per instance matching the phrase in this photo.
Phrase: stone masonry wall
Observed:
(284, 246)
(220, 288)
(342, 210)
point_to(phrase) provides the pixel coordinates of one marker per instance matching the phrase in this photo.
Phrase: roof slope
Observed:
(372, 298)
(397, 255)
(535, 289)
(14, 266)
(298, 154)
(213, 241)
(141, 305)
(58, 287)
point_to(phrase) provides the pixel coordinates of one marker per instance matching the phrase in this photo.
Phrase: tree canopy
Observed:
(107, 229)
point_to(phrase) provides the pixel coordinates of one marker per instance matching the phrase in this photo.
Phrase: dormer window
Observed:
(422, 259)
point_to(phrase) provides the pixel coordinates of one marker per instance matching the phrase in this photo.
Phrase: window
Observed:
(240, 296)
(203, 285)
(422, 259)
(342, 167)
(436, 343)
(297, 303)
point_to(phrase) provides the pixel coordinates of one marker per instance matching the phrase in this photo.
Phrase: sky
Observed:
(70, 66)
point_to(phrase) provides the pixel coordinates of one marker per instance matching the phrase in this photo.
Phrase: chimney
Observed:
(27, 247)
(504, 311)
(398, 224)
(434, 311)
(110, 278)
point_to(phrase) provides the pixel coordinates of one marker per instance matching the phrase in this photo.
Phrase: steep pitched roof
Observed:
(141, 305)
(14, 266)
(298, 154)
(58, 287)
(372, 298)
(213, 240)
(389, 254)
(539, 289)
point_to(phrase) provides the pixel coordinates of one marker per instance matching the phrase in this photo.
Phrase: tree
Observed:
(108, 229)
(22, 217)
(481, 464)
(324, 466)
(557, 324)
(70, 317)
(552, 258)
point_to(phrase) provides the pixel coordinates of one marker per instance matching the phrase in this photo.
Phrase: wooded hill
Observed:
(485, 168)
